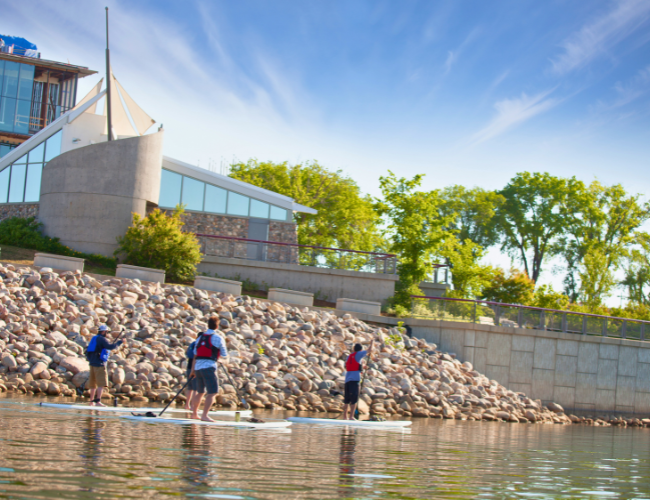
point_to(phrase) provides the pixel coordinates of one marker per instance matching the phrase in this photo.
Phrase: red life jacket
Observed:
(352, 365)
(205, 349)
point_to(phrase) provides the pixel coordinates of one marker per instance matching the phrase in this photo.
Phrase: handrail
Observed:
(562, 311)
(383, 255)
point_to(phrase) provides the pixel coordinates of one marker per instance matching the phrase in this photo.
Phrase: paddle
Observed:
(246, 405)
(152, 414)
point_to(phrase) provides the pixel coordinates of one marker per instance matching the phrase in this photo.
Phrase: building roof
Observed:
(235, 185)
(55, 65)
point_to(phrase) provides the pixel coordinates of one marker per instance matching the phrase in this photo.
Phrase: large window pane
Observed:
(17, 183)
(36, 154)
(2, 75)
(170, 188)
(53, 146)
(10, 87)
(4, 184)
(278, 213)
(22, 159)
(33, 185)
(237, 204)
(7, 114)
(22, 117)
(193, 194)
(215, 199)
(25, 82)
(259, 209)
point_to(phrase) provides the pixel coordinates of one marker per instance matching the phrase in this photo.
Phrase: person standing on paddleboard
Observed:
(97, 356)
(209, 348)
(352, 380)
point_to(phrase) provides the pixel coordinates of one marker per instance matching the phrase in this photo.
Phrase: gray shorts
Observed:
(206, 381)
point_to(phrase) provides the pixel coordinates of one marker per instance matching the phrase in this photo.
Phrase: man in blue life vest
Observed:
(352, 380)
(209, 347)
(97, 356)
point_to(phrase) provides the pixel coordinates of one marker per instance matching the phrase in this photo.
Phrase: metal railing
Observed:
(17, 50)
(536, 318)
(441, 274)
(293, 253)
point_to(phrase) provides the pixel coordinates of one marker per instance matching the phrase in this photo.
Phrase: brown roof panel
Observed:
(44, 63)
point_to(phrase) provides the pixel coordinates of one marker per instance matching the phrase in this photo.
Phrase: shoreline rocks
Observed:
(281, 357)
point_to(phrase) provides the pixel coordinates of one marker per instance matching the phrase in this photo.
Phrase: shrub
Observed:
(27, 233)
(158, 241)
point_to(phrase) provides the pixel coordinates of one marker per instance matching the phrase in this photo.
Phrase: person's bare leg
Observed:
(98, 396)
(91, 395)
(196, 403)
(352, 408)
(188, 399)
(209, 399)
(345, 411)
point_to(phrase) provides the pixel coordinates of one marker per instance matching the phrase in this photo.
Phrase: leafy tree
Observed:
(473, 212)
(414, 228)
(599, 233)
(512, 288)
(469, 277)
(533, 215)
(637, 275)
(548, 298)
(158, 241)
(345, 217)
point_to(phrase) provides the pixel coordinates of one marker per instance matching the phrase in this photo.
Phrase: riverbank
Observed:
(281, 357)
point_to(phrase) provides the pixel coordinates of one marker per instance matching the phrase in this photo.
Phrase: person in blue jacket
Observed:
(97, 356)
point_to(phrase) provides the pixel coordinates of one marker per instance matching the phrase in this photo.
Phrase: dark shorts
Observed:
(206, 381)
(351, 396)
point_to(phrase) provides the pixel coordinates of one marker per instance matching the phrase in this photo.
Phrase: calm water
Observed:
(49, 453)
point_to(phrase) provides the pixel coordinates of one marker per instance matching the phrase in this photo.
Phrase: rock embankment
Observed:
(281, 357)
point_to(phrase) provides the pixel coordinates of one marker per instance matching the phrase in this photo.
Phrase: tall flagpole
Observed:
(108, 84)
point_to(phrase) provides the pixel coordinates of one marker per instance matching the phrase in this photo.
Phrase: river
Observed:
(53, 453)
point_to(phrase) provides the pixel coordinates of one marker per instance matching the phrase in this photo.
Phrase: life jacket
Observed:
(352, 365)
(92, 347)
(189, 354)
(205, 349)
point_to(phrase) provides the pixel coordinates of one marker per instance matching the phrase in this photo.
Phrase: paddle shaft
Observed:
(246, 405)
(174, 398)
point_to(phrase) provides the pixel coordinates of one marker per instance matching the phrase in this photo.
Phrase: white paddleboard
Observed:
(275, 424)
(357, 423)
(125, 409)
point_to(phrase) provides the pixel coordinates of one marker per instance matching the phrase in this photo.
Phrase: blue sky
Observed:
(466, 92)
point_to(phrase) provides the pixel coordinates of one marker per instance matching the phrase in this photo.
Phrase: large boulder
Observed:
(38, 368)
(74, 364)
(9, 361)
(80, 378)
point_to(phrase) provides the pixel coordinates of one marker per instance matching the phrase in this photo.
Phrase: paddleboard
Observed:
(275, 424)
(356, 423)
(123, 409)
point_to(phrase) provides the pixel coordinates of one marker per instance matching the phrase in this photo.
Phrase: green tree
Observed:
(598, 238)
(158, 241)
(548, 298)
(533, 215)
(469, 276)
(473, 213)
(345, 217)
(515, 287)
(414, 228)
(637, 274)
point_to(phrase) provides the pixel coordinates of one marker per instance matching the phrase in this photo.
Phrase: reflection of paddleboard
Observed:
(357, 423)
(275, 424)
(125, 409)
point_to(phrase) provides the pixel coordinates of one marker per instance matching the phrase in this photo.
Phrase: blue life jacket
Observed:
(189, 354)
(92, 347)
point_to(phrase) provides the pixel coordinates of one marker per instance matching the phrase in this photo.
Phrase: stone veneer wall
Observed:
(24, 210)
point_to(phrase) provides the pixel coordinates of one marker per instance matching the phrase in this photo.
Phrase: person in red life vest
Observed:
(209, 348)
(352, 380)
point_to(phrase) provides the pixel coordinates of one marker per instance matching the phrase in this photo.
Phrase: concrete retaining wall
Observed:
(58, 262)
(140, 273)
(325, 284)
(88, 194)
(217, 285)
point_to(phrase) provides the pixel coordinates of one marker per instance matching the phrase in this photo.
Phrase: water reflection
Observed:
(196, 445)
(346, 461)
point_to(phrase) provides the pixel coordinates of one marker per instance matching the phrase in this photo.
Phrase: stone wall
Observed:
(24, 210)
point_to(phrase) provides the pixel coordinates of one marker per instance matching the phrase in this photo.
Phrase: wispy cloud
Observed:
(453, 55)
(598, 36)
(627, 92)
(513, 112)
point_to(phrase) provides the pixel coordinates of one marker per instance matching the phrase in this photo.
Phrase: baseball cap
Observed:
(103, 328)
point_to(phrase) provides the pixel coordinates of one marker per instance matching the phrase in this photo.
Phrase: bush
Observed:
(158, 241)
(26, 233)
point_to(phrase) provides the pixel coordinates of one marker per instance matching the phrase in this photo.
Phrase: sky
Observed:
(465, 92)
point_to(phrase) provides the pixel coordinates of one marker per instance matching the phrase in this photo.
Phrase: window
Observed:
(33, 184)
(237, 204)
(215, 199)
(170, 189)
(193, 194)
(259, 209)
(10, 87)
(17, 183)
(53, 146)
(7, 114)
(278, 213)
(25, 82)
(36, 154)
(4, 184)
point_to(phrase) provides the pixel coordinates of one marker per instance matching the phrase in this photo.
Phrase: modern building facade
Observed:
(84, 188)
